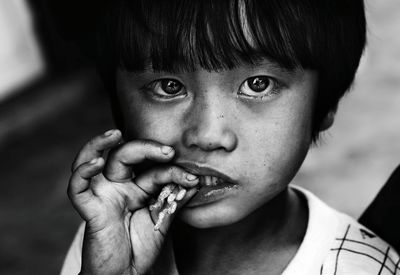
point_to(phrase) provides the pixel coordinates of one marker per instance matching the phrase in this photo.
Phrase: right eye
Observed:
(165, 88)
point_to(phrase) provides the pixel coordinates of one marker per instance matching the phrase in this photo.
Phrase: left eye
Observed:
(165, 88)
(258, 87)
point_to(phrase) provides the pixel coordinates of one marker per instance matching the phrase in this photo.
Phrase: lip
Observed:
(209, 194)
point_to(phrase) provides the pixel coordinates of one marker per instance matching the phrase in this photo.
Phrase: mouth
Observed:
(207, 175)
(214, 185)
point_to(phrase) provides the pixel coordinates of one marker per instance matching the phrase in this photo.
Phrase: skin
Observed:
(260, 142)
(259, 139)
(115, 206)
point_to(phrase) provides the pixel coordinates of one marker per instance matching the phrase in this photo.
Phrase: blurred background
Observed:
(51, 102)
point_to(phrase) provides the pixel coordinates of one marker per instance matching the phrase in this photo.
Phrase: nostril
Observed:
(206, 140)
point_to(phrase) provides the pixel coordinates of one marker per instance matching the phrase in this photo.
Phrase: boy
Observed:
(222, 99)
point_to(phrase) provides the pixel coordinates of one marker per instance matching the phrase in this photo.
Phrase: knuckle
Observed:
(177, 174)
(172, 172)
(142, 142)
(158, 176)
(91, 143)
(83, 170)
(161, 175)
(79, 170)
(147, 143)
(140, 145)
(96, 184)
(150, 146)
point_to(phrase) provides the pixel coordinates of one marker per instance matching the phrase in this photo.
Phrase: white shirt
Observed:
(334, 244)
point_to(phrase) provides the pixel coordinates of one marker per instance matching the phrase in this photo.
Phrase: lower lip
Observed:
(209, 194)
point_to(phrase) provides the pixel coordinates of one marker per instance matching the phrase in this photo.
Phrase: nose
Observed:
(209, 125)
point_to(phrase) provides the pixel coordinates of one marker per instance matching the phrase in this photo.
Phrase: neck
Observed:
(276, 225)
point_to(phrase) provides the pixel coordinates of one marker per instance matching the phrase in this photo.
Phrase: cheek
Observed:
(279, 142)
(145, 122)
(289, 149)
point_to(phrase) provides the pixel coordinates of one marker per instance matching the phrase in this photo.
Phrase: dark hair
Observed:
(323, 35)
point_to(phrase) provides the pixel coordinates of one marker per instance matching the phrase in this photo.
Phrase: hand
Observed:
(119, 233)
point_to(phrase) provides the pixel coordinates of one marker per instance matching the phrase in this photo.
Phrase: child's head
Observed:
(242, 86)
(325, 36)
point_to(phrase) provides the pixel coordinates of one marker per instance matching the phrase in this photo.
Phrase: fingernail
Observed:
(94, 161)
(191, 177)
(109, 133)
(166, 150)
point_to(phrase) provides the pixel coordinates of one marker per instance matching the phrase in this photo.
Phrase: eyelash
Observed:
(274, 90)
(151, 88)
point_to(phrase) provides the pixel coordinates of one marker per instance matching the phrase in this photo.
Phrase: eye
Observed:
(259, 87)
(171, 86)
(165, 88)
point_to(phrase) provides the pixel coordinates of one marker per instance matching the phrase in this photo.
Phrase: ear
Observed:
(328, 121)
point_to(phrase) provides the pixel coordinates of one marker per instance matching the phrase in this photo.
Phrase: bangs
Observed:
(215, 35)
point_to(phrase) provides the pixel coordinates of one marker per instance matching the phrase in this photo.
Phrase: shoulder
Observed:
(357, 250)
(339, 245)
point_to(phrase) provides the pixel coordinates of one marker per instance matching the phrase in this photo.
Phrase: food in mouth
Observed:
(172, 193)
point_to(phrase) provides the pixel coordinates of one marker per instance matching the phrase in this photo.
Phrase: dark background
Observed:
(43, 124)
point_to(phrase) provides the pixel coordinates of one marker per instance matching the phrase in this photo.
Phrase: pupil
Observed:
(170, 86)
(258, 84)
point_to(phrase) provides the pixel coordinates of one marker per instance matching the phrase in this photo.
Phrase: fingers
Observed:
(120, 161)
(95, 147)
(79, 184)
(153, 180)
(149, 184)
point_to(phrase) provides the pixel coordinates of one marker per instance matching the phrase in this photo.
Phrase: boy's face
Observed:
(252, 124)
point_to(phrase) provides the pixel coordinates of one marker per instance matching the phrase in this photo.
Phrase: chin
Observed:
(208, 217)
